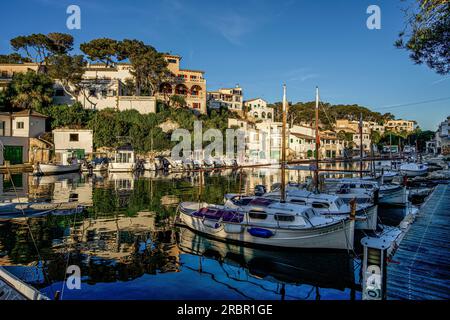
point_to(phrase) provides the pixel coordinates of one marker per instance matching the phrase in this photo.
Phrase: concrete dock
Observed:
(420, 268)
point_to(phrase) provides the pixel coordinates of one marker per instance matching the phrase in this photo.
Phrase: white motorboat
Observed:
(53, 169)
(363, 190)
(208, 163)
(150, 165)
(269, 222)
(329, 206)
(393, 194)
(389, 175)
(413, 169)
(123, 160)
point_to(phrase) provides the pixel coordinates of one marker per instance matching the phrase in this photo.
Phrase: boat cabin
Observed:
(124, 154)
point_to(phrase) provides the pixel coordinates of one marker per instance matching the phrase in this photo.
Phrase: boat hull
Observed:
(334, 236)
(414, 173)
(366, 219)
(121, 167)
(53, 169)
(397, 196)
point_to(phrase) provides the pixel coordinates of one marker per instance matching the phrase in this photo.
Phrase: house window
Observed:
(4, 74)
(20, 125)
(92, 92)
(196, 105)
(73, 137)
(2, 128)
(171, 61)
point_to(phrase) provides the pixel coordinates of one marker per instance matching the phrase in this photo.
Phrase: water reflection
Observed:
(127, 245)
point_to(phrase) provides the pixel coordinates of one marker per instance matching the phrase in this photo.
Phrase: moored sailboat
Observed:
(270, 222)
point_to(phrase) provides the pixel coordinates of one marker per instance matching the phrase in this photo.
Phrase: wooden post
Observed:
(353, 209)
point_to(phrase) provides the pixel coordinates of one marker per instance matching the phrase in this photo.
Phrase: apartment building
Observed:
(331, 146)
(257, 109)
(190, 84)
(352, 127)
(231, 99)
(400, 125)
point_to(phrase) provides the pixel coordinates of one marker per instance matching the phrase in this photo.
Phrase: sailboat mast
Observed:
(361, 152)
(316, 169)
(283, 147)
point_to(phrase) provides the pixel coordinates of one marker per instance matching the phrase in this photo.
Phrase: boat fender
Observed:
(211, 224)
(260, 233)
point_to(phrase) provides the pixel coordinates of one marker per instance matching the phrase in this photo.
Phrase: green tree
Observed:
(177, 101)
(104, 50)
(68, 71)
(426, 34)
(149, 65)
(74, 116)
(30, 90)
(39, 47)
(13, 58)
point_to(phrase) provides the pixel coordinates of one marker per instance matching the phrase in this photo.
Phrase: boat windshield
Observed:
(339, 202)
(122, 157)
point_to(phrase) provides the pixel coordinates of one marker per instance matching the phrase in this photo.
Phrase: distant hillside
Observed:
(302, 112)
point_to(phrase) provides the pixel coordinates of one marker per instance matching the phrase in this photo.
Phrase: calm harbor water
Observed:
(128, 247)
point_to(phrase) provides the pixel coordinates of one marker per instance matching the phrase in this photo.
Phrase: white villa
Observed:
(257, 109)
(105, 88)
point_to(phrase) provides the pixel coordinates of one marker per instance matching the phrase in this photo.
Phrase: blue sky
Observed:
(261, 44)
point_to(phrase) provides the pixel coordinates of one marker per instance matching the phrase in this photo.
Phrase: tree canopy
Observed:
(304, 112)
(13, 58)
(39, 47)
(427, 34)
(30, 90)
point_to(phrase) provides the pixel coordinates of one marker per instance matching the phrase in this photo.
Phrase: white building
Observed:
(400, 125)
(78, 141)
(257, 109)
(302, 141)
(263, 141)
(105, 88)
(229, 98)
(442, 137)
(18, 132)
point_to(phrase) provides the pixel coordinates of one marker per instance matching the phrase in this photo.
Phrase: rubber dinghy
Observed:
(269, 222)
